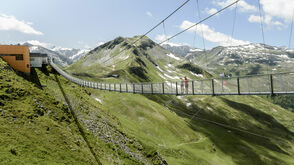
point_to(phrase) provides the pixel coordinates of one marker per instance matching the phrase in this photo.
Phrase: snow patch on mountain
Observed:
(79, 54)
(173, 56)
(197, 75)
(195, 50)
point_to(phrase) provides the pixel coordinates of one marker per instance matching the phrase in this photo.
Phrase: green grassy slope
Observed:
(199, 129)
(37, 126)
(164, 123)
(119, 128)
(34, 127)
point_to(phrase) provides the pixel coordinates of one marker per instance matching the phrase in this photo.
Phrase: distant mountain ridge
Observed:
(144, 61)
(63, 56)
(250, 59)
(71, 53)
(181, 50)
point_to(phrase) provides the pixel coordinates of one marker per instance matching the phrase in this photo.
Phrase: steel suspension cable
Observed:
(262, 32)
(261, 22)
(199, 22)
(230, 39)
(164, 30)
(290, 38)
(195, 33)
(195, 116)
(198, 9)
(161, 21)
(231, 127)
(194, 38)
(151, 29)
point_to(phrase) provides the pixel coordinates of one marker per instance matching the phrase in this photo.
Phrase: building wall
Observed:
(36, 62)
(20, 65)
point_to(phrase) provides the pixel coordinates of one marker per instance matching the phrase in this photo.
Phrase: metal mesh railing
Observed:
(279, 83)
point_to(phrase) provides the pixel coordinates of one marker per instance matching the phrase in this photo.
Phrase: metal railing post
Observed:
(238, 85)
(248, 88)
(271, 85)
(212, 87)
(281, 84)
(142, 88)
(134, 88)
(151, 88)
(193, 93)
(162, 88)
(222, 85)
(119, 87)
(176, 88)
(127, 88)
(201, 86)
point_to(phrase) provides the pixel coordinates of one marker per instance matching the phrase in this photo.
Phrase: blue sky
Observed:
(87, 23)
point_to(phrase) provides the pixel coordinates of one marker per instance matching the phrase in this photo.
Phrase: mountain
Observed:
(145, 61)
(183, 129)
(60, 58)
(181, 50)
(63, 56)
(71, 53)
(245, 59)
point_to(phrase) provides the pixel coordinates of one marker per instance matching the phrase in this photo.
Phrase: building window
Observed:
(18, 57)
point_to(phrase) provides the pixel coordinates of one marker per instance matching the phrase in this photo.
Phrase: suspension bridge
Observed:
(266, 84)
(263, 84)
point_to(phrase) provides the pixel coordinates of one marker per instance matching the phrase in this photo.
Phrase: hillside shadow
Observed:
(234, 143)
(44, 70)
(32, 77)
(258, 115)
(82, 132)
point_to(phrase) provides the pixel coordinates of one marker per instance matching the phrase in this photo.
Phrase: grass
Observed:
(163, 124)
(135, 129)
(35, 127)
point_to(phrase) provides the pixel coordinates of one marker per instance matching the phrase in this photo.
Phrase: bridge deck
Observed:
(269, 84)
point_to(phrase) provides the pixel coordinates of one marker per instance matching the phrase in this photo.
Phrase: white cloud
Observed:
(11, 23)
(161, 37)
(38, 43)
(243, 6)
(149, 13)
(213, 36)
(281, 9)
(210, 11)
(276, 13)
(267, 20)
(254, 19)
